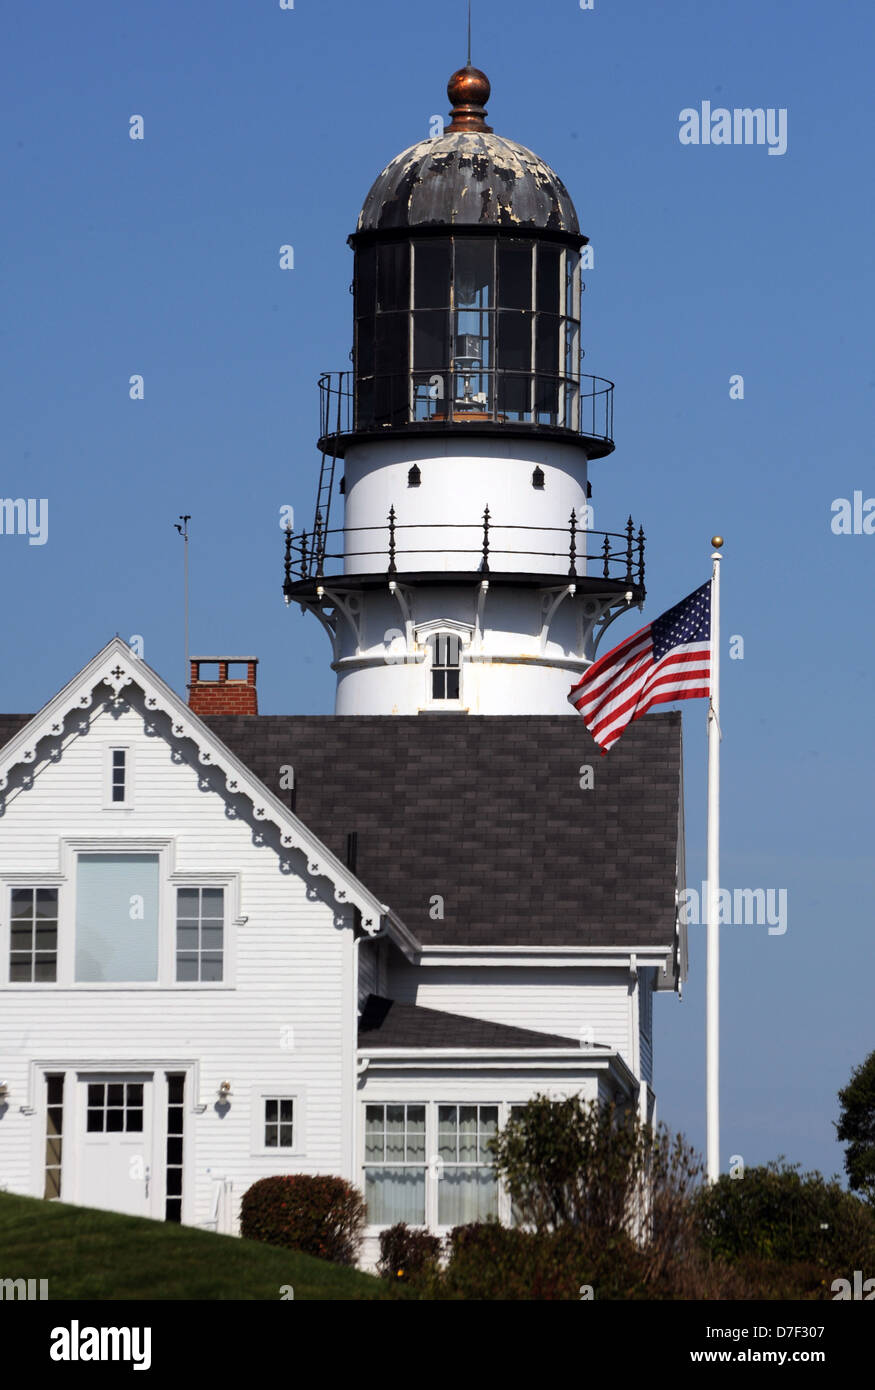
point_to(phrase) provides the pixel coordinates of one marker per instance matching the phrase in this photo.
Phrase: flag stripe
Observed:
(668, 660)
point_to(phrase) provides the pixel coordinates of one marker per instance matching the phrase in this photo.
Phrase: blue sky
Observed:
(265, 127)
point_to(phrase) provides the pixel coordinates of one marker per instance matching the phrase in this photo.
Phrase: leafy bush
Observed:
(322, 1216)
(598, 1168)
(407, 1254)
(777, 1213)
(494, 1263)
(488, 1261)
(500, 1263)
(856, 1128)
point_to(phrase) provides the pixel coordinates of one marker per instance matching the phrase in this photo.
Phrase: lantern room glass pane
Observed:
(473, 273)
(514, 342)
(393, 276)
(365, 281)
(392, 344)
(431, 341)
(547, 343)
(549, 258)
(547, 400)
(431, 289)
(515, 274)
(365, 347)
(572, 284)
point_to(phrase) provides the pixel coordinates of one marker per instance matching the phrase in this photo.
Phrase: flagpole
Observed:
(712, 995)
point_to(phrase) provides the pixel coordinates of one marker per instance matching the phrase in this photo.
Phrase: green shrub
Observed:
(856, 1128)
(499, 1263)
(408, 1254)
(778, 1213)
(322, 1216)
(577, 1163)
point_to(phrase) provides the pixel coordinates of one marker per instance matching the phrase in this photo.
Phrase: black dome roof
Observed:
(469, 177)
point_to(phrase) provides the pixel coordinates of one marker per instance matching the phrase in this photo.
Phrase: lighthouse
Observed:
(453, 558)
(364, 942)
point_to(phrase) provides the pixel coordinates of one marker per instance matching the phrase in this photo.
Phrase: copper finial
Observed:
(468, 90)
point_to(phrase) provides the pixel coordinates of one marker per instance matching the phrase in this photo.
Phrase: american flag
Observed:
(670, 659)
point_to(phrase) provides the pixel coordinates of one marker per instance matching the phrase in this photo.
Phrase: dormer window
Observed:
(446, 655)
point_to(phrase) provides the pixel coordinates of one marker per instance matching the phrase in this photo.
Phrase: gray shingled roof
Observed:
(11, 724)
(386, 1023)
(487, 813)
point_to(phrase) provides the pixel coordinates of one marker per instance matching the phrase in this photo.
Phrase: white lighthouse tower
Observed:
(465, 573)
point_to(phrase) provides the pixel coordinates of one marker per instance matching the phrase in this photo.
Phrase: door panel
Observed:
(115, 1152)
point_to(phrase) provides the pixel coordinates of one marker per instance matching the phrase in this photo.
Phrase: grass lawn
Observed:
(98, 1254)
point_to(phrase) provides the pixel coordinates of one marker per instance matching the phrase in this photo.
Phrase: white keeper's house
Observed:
(234, 945)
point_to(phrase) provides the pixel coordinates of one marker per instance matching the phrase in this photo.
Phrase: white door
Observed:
(115, 1154)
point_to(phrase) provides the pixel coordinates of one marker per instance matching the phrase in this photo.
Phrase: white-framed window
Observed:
(430, 1162)
(395, 1164)
(446, 666)
(117, 917)
(33, 935)
(118, 777)
(113, 916)
(114, 1107)
(278, 1118)
(200, 934)
(279, 1122)
(467, 1185)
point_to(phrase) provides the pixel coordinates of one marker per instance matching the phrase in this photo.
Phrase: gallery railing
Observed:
(465, 395)
(322, 553)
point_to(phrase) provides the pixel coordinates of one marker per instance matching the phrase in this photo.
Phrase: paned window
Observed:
(175, 1112)
(467, 1186)
(33, 938)
(279, 1122)
(54, 1134)
(118, 773)
(395, 1164)
(115, 1107)
(200, 928)
(445, 666)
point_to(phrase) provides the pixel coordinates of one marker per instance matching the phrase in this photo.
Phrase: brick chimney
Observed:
(223, 694)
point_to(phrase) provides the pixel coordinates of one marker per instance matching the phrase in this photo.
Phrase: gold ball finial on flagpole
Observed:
(716, 541)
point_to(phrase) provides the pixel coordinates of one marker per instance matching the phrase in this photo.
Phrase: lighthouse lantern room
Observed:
(465, 573)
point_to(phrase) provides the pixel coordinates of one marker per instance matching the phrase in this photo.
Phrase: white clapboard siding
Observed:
(369, 970)
(572, 1001)
(284, 1022)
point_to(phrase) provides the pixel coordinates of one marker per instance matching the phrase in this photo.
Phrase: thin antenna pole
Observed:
(183, 531)
(469, 33)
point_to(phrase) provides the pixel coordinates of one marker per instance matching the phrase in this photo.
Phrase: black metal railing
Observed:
(349, 404)
(322, 553)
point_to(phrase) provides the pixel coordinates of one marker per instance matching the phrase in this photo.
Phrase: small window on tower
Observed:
(538, 478)
(445, 666)
(414, 477)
